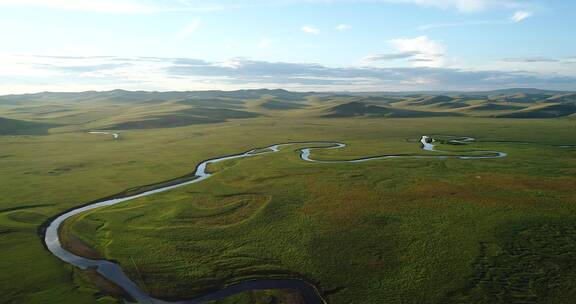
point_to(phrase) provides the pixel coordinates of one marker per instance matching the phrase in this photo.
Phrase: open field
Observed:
(393, 231)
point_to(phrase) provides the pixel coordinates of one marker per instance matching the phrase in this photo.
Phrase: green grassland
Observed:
(21, 127)
(388, 231)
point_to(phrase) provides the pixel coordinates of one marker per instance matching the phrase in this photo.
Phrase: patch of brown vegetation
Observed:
(342, 205)
(78, 247)
(290, 297)
(486, 188)
(279, 296)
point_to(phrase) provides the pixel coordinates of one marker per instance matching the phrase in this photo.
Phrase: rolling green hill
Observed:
(214, 102)
(548, 111)
(562, 98)
(431, 100)
(356, 108)
(493, 106)
(521, 97)
(125, 110)
(184, 118)
(274, 104)
(21, 127)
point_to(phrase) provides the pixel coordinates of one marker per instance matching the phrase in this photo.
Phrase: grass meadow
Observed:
(388, 231)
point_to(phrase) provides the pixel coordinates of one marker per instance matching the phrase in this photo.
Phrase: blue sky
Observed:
(338, 45)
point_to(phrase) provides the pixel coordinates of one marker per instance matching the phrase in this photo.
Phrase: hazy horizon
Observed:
(302, 91)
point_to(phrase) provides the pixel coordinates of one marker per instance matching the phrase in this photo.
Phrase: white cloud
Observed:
(519, 16)
(74, 73)
(390, 56)
(426, 52)
(310, 30)
(131, 6)
(150, 6)
(432, 26)
(343, 27)
(463, 5)
(187, 30)
(100, 6)
(21, 66)
(535, 59)
(460, 5)
(264, 43)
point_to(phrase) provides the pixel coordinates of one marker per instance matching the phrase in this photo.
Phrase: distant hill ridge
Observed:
(122, 110)
(248, 93)
(357, 108)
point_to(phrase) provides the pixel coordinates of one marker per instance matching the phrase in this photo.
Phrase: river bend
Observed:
(113, 272)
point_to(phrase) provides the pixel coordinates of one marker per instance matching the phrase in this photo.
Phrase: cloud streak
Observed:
(391, 56)
(519, 16)
(432, 26)
(149, 6)
(464, 5)
(100, 6)
(342, 27)
(188, 30)
(310, 30)
(34, 73)
(537, 59)
(423, 51)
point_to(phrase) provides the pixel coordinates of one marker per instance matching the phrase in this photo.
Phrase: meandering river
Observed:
(113, 272)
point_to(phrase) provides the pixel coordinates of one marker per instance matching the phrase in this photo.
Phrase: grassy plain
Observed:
(390, 231)
(397, 231)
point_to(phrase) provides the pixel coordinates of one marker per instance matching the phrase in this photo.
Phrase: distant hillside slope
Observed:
(491, 106)
(275, 104)
(121, 109)
(563, 98)
(431, 100)
(20, 127)
(551, 111)
(523, 91)
(357, 108)
(522, 97)
(250, 94)
(123, 96)
(184, 118)
(440, 102)
(213, 102)
(115, 96)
